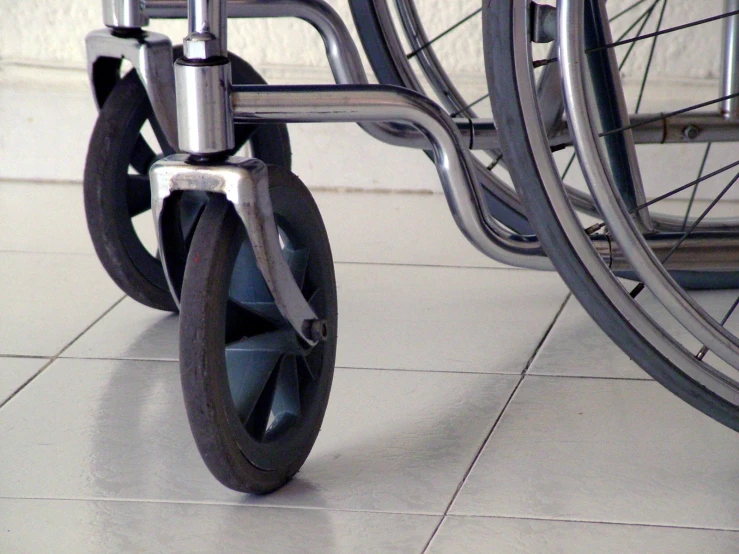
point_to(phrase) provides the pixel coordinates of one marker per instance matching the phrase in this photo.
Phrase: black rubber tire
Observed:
(114, 145)
(499, 36)
(235, 457)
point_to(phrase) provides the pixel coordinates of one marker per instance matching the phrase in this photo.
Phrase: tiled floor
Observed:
(432, 440)
(475, 408)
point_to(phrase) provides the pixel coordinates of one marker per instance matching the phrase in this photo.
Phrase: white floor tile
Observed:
(605, 450)
(14, 372)
(130, 331)
(473, 535)
(446, 319)
(392, 441)
(64, 526)
(409, 229)
(37, 217)
(392, 317)
(48, 143)
(577, 347)
(47, 300)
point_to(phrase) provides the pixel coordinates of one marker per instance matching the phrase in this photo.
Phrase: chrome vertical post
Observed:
(730, 61)
(203, 77)
(125, 14)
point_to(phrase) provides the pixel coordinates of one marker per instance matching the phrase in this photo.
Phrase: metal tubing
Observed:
(343, 56)
(203, 82)
(609, 103)
(701, 253)
(124, 14)
(207, 29)
(372, 103)
(151, 56)
(204, 116)
(730, 61)
(245, 184)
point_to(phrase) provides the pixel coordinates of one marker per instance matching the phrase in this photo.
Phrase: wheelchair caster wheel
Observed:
(114, 195)
(255, 394)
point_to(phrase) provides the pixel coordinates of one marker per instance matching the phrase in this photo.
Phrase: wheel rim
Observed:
(273, 379)
(549, 176)
(603, 185)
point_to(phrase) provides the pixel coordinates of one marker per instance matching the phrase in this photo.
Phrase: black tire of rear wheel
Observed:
(498, 33)
(203, 321)
(126, 109)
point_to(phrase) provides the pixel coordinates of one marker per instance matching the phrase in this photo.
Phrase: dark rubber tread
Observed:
(498, 34)
(203, 323)
(113, 147)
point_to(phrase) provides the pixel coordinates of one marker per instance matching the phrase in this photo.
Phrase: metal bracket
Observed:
(151, 56)
(245, 184)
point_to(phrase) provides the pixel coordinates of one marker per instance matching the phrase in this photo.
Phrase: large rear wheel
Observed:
(638, 323)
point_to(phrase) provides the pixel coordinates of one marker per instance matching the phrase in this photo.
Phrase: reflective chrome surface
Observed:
(370, 103)
(245, 184)
(600, 182)
(207, 30)
(730, 61)
(124, 14)
(204, 117)
(608, 101)
(151, 56)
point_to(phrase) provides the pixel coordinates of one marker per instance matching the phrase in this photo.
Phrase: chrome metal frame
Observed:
(730, 61)
(245, 184)
(151, 56)
(206, 106)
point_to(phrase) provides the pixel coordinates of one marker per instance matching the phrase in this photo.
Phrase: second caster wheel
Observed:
(117, 189)
(255, 395)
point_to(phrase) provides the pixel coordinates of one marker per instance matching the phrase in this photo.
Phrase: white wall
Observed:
(51, 32)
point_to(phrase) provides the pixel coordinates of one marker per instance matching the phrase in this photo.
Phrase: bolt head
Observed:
(691, 132)
(317, 330)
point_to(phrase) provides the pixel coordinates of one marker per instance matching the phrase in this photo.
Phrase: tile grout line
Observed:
(436, 266)
(215, 503)
(598, 522)
(54, 358)
(495, 423)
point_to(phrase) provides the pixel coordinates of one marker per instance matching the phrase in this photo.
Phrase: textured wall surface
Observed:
(50, 32)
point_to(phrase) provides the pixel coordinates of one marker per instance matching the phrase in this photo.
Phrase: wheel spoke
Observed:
(695, 188)
(668, 115)
(251, 362)
(700, 218)
(651, 56)
(627, 10)
(644, 18)
(666, 31)
(297, 260)
(471, 105)
(142, 156)
(704, 350)
(305, 368)
(285, 409)
(685, 186)
(443, 34)
(138, 194)
(248, 288)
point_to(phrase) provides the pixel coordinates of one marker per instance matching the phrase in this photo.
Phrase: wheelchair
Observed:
(242, 251)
